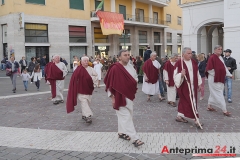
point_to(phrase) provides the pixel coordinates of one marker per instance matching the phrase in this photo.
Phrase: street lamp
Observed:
(124, 35)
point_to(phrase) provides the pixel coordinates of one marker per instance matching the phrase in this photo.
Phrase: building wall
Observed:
(52, 8)
(174, 10)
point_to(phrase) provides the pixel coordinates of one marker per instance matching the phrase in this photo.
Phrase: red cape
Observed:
(81, 82)
(184, 105)
(121, 84)
(53, 73)
(151, 71)
(170, 69)
(220, 71)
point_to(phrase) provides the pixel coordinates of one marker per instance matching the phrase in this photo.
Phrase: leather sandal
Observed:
(161, 99)
(211, 109)
(228, 114)
(180, 119)
(124, 136)
(137, 143)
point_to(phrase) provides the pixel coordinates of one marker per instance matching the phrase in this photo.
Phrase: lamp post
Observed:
(124, 35)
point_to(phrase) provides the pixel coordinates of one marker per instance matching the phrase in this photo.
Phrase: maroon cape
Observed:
(170, 69)
(151, 71)
(220, 71)
(121, 84)
(81, 82)
(53, 73)
(184, 105)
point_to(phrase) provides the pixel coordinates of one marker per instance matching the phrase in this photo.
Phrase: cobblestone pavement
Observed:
(155, 122)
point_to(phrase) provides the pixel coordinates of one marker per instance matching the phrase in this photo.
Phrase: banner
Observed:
(111, 23)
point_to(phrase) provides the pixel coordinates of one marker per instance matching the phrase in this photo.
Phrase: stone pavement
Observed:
(32, 124)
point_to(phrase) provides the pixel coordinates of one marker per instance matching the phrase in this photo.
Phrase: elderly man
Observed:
(55, 73)
(121, 85)
(187, 80)
(168, 78)
(216, 71)
(81, 87)
(151, 69)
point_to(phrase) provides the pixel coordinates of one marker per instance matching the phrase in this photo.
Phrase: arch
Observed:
(199, 27)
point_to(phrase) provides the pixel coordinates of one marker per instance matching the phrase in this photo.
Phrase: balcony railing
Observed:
(135, 18)
(169, 40)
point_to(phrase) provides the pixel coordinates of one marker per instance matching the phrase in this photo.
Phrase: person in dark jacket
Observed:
(43, 63)
(231, 66)
(23, 64)
(31, 66)
(3, 63)
(202, 67)
(13, 66)
(147, 54)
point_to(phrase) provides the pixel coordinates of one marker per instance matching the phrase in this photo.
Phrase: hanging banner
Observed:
(111, 23)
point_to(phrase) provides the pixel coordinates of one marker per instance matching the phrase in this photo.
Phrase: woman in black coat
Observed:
(202, 67)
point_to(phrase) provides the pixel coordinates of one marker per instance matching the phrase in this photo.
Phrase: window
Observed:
(36, 1)
(179, 38)
(157, 36)
(122, 10)
(36, 33)
(169, 50)
(179, 1)
(179, 20)
(2, 2)
(127, 36)
(142, 36)
(76, 4)
(99, 37)
(168, 18)
(169, 37)
(155, 17)
(139, 15)
(97, 2)
(77, 34)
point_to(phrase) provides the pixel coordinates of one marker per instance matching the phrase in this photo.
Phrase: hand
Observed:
(228, 68)
(145, 78)
(183, 73)
(113, 100)
(167, 82)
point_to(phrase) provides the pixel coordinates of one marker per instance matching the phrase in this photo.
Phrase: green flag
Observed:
(99, 7)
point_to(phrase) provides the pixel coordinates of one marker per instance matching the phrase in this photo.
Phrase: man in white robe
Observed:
(81, 87)
(59, 83)
(216, 72)
(98, 68)
(168, 78)
(151, 69)
(121, 85)
(187, 106)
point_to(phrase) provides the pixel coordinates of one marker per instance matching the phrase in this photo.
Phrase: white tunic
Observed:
(178, 80)
(125, 114)
(171, 91)
(98, 69)
(216, 97)
(149, 88)
(60, 83)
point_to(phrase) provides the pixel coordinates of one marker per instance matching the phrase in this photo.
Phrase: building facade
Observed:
(34, 28)
(211, 22)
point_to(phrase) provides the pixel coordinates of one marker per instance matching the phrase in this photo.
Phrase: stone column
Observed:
(113, 6)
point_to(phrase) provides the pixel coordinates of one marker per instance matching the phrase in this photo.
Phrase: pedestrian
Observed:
(65, 62)
(3, 63)
(168, 78)
(187, 80)
(81, 87)
(151, 69)
(56, 72)
(12, 67)
(31, 66)
(231, 65)
(147, 54)
(98, 68)
(25, 77)
(216, 72)
(122, 95)
(76, 63)
(37, 76)
(23, 64)
(43, 63)
(202, 68)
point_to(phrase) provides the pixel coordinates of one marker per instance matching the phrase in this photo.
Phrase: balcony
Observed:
(158, 3)
(136, 20)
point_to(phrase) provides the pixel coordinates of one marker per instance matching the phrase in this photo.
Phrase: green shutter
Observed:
(77, 4)
(122, 10)
(36, 1)
(97, 2)
(2, 1)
